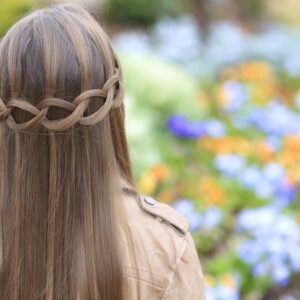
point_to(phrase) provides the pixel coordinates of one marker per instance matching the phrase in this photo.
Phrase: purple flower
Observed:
(182, 127)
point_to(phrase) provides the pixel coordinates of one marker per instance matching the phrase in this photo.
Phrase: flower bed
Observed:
(225, 152)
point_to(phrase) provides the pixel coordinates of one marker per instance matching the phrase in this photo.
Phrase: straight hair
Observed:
(64, 159)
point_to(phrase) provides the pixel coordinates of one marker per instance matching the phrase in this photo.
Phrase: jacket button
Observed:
(149, 200)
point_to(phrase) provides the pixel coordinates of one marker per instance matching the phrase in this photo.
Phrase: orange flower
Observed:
(256, 71)
(292, 142)
(263, 151)
(205, 142)
(166, 196)
(211, 191)
(160, 171)
(226, 145)
(223, 145)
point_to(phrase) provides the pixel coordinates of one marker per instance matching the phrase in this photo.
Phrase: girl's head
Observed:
(61, 62)
(63, 158)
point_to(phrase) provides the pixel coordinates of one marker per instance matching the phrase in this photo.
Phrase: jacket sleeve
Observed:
(186, 282)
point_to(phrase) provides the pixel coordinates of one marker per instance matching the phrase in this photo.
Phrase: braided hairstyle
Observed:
(111, 91)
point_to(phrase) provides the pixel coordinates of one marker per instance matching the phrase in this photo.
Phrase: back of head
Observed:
(63, 158)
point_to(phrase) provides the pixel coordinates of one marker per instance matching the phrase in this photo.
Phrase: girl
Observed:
(73, 225)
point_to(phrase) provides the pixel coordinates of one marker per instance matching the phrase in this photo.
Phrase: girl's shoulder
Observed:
(163, 213)
(166, 254)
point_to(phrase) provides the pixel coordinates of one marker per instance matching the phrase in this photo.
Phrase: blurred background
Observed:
(213, 121)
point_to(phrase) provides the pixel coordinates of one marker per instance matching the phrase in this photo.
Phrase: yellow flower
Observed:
(262, 92)
(223, 97)
(228, 280)
(229, 73)
(147, 183)
(286, 158)
(293, 174)
(209, 280)
(298, 217)
(241, 145)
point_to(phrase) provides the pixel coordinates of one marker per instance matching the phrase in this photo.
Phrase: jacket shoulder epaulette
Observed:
(164, 213)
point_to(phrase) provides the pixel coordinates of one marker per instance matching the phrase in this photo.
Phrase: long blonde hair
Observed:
(63, 153)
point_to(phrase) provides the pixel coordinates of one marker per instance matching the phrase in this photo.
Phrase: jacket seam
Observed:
(172, 275)
(141, 279)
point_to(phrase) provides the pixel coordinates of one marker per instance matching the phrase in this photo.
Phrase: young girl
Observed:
(73, 225)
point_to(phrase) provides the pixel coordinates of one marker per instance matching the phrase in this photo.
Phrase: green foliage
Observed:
(252, 8)
(141, 11)
(153, 90)
(11, 11)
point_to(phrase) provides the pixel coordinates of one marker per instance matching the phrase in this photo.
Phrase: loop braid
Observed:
(77, 108)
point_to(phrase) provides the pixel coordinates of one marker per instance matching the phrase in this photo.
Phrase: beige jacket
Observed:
(168, 264)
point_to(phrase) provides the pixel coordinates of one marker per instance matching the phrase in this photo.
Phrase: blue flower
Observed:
(237, 95)
(280, 274)
(257, 219)
(229, 164)
(221, 292)
(294, 256)
(211, 218)
(187, 208)
(273, 172)
(285, 192)
(275, 118)
(262, 269)
(263, 181)
(184, 206)
(251, 177)
(180, 126)
(214, 127)
(272, 243)
(249, 252)
(274, 142)
(264, 189)
(292, 65)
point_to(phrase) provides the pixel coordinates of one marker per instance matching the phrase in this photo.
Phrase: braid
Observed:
(112, 91)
